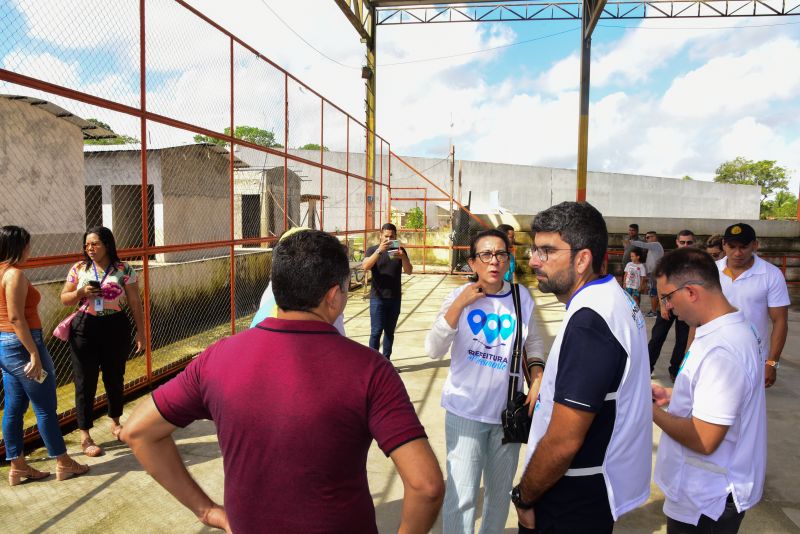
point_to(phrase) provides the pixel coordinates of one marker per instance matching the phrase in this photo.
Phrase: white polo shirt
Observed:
(720, 381)
(760, 287)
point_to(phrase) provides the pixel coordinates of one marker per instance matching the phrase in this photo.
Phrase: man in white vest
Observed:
(712, 454)
(590, 447)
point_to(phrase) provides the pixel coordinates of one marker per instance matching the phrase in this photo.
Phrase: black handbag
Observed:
(515, 418)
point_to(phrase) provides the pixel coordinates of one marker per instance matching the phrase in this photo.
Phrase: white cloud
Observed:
(717, 94)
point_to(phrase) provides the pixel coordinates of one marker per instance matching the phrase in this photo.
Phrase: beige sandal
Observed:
(91, 449)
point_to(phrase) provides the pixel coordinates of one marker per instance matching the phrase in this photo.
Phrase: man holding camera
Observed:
(386, 262)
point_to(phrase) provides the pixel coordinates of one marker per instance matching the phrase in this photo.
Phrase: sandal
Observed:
(91, 449)
(15, 476)
(116, 431)
(63, 472)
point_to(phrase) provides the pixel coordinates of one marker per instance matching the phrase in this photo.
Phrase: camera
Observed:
(394, 244)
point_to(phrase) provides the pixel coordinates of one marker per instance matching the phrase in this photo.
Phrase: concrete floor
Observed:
(117, 496)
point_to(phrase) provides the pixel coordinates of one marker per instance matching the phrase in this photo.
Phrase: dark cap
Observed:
(741, 233)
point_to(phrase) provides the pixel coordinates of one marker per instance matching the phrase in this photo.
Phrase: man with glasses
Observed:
(664, 321)
(590, 447)
(654, 253)
(758, 288)
(712, 455)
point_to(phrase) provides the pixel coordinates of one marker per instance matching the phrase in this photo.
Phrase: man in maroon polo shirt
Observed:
(296, 406)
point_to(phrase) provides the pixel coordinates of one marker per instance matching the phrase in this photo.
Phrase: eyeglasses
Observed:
(92, 245)
(543, 252)
(685, 241)
(667, 299)
(501, 256)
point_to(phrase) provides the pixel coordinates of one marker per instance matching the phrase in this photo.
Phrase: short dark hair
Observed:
(13, 240)
(714, 241)
(304, 267)
(637, 251)
(492, 232)
(651, 232)
(505, 228)
(634, 226)
(580, 225)
(685, 232)
(687, 264)
(107, 238)
(389, 226)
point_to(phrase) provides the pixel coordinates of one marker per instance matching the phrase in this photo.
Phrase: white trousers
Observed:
(475, 449)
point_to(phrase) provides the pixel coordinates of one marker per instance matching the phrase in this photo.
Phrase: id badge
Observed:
(98, 305)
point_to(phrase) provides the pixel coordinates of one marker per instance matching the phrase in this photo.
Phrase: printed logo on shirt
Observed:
(492, 325)
(636, 313)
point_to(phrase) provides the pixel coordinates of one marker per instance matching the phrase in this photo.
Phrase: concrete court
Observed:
(117, 496)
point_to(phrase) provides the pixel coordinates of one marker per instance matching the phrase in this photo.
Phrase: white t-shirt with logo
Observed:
(634, 273)
(481, 347)
(721, 381)
(760, 287)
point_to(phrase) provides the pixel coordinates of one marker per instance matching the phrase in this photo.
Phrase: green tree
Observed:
(250, 134)
(312, 146)
(687, 177)
(118, 140)
(783, 206)
(765, 174)
(415, 218)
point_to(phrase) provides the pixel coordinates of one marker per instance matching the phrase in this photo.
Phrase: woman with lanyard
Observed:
(29, 376)
(477, 323)
(100, 333)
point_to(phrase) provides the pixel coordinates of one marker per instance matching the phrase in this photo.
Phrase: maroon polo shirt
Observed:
(296, 406)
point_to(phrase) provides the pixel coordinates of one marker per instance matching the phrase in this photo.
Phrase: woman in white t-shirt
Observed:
(478, 323)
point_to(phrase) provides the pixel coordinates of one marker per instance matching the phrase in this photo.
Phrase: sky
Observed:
(668, 97)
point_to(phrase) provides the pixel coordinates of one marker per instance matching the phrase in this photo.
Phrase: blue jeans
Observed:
(383, 315)
(19, 390)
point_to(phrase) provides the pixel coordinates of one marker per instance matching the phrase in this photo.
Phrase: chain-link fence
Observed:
(192, 147)
(433, 224)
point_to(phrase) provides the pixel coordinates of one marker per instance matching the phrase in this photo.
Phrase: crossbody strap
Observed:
(85, 300)
(516, 356)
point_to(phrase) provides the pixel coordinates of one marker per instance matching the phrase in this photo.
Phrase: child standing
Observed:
(635, 273)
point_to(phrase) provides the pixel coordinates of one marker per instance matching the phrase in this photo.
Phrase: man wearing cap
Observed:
(758, 288)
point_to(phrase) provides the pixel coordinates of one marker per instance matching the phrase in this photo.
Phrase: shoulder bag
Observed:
(515, 418)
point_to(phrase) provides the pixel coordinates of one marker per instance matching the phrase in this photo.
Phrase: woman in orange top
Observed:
(28, 372)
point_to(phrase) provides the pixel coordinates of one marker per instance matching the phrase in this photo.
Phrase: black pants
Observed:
(574, 505)
(728, 523)
(659, 335)
(99, 344)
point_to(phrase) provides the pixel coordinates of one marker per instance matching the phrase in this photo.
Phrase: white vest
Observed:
(626, 467)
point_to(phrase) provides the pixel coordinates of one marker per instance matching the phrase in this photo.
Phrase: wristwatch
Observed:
(773, 363)
(516, 499)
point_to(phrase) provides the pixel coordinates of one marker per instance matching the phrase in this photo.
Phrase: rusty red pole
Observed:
(148, 353)
(232, 232)
(321, 159)
(285, 151)
(424, 230)
(347, 181)
(389, 189)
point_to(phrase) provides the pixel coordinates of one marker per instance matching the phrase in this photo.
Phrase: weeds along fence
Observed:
(196, 150)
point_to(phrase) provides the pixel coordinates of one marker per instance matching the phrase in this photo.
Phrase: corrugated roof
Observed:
(237, 163)
(90, 131)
